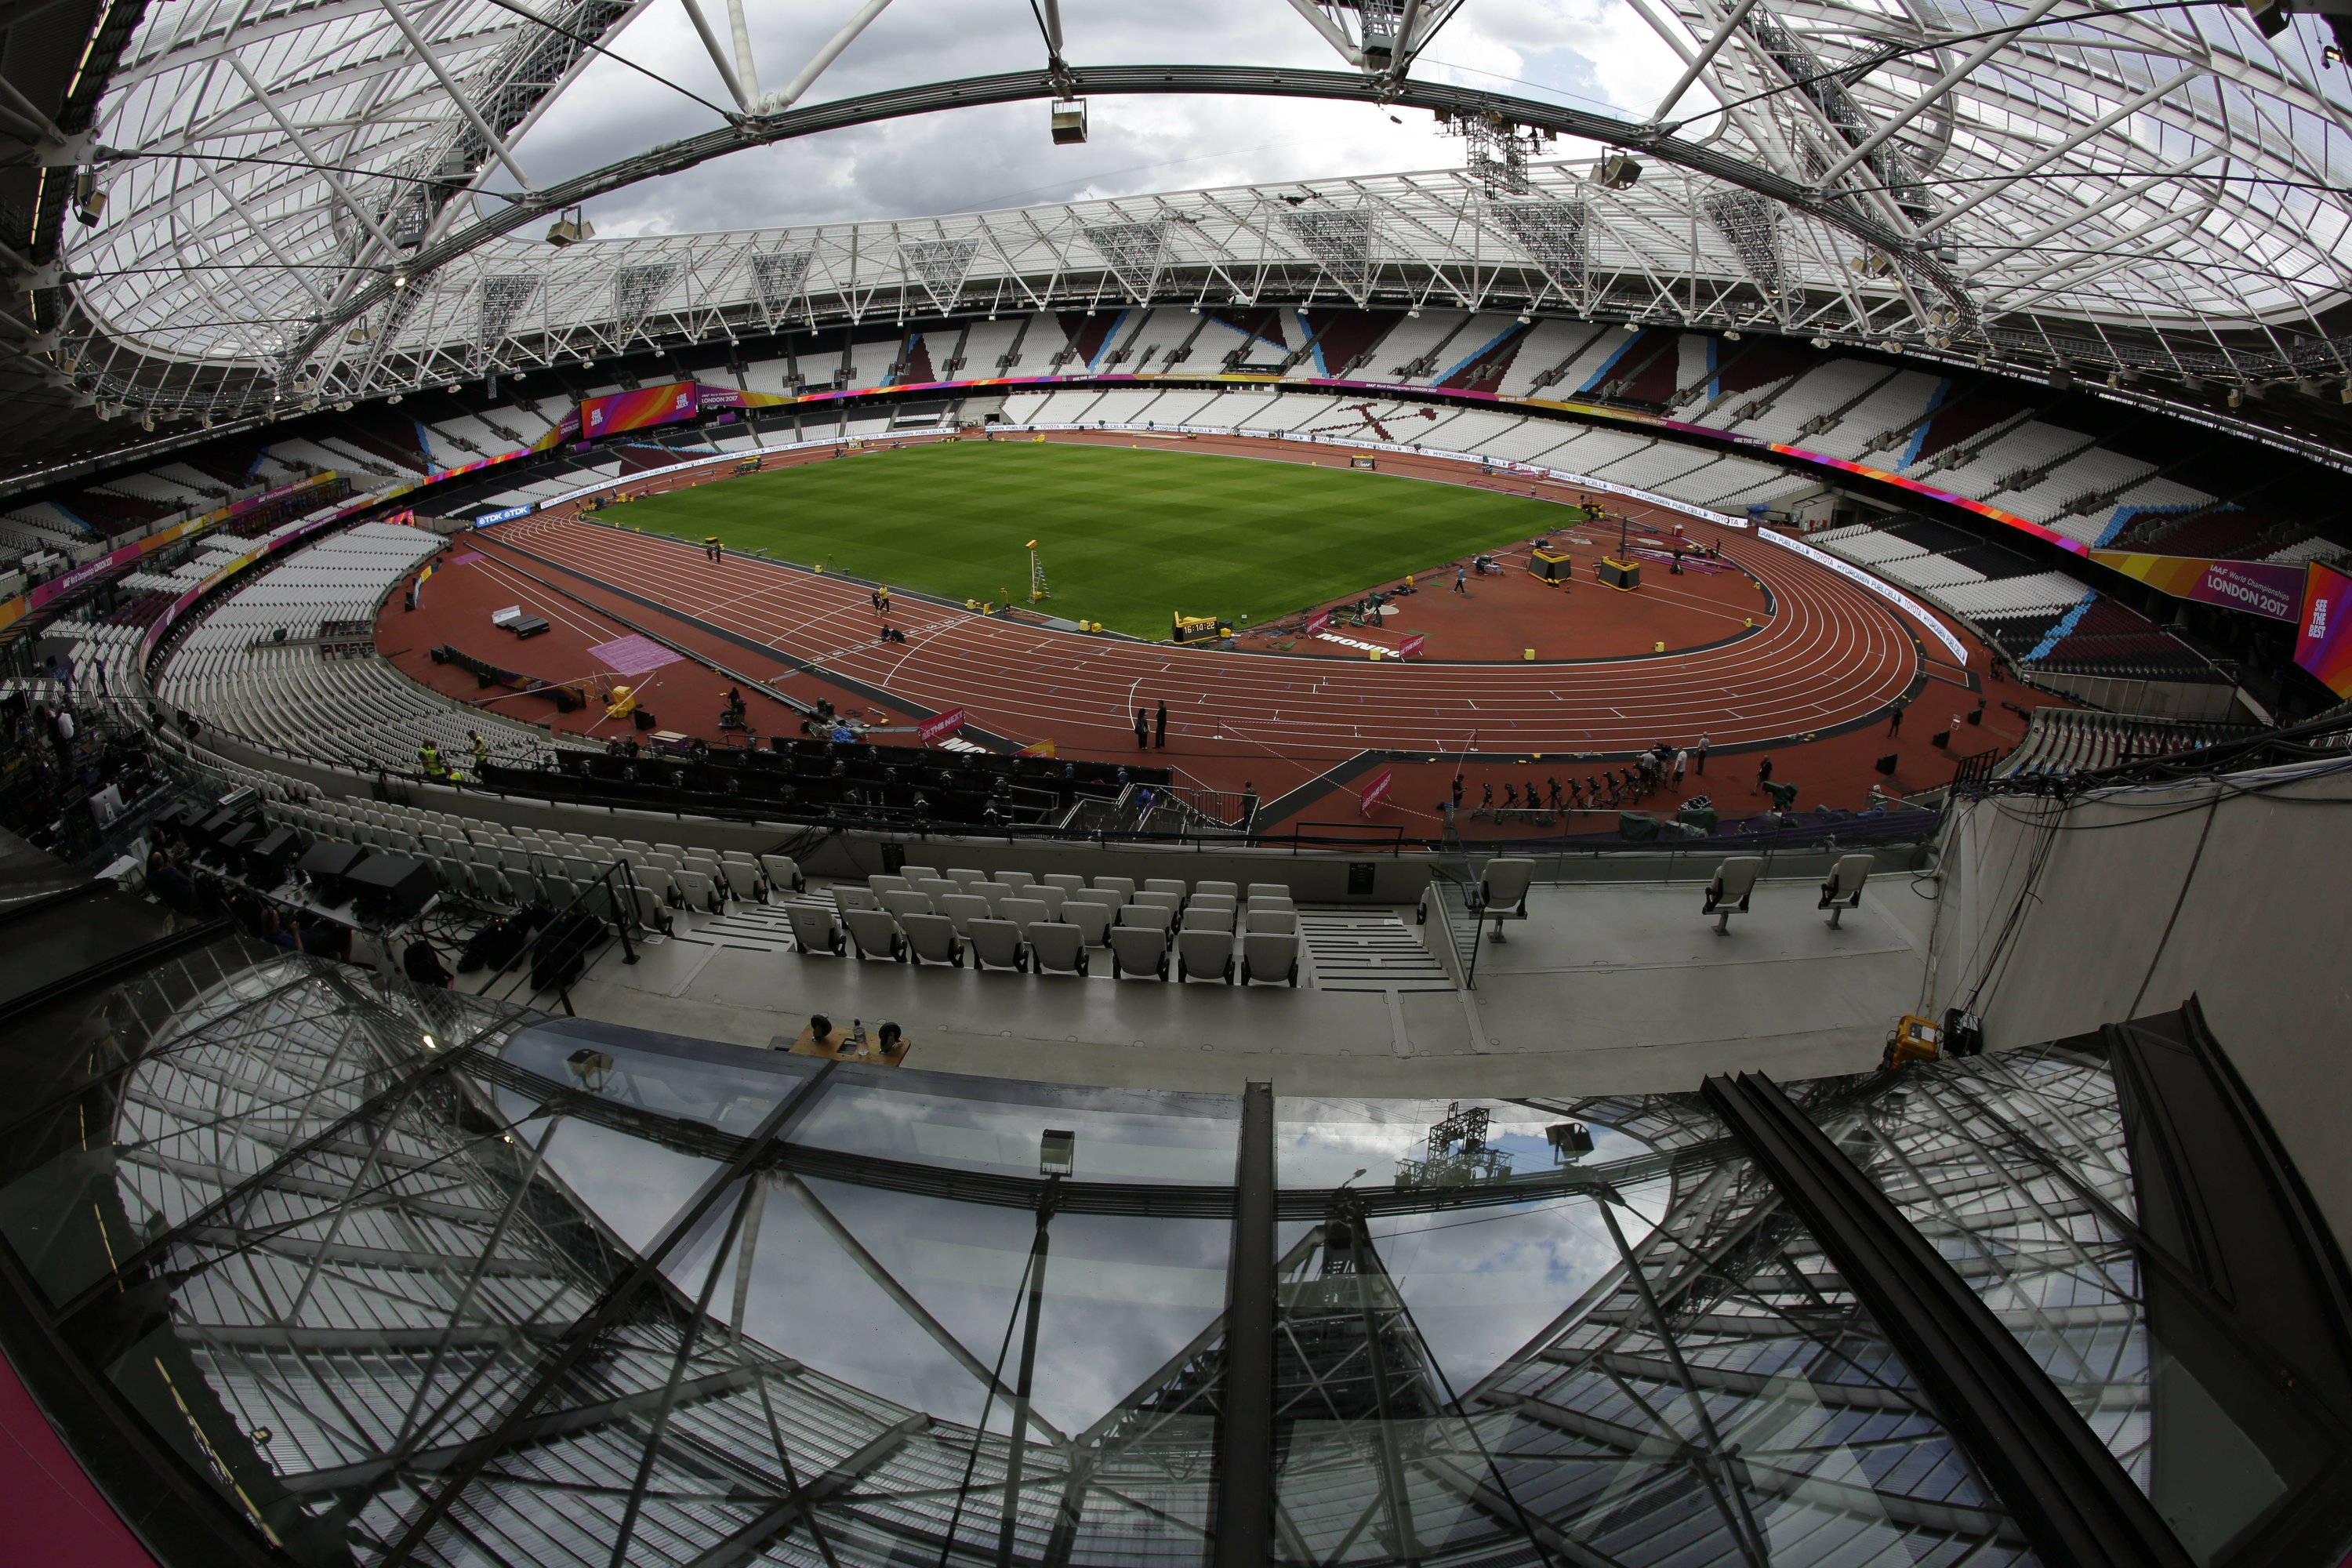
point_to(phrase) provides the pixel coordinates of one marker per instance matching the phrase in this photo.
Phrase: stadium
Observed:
(1580, 815)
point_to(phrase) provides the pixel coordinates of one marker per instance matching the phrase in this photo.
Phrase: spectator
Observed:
(423, 965)
(171, 885)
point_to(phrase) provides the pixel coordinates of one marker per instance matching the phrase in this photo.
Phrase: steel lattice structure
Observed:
(391, 1325)
(295, 211)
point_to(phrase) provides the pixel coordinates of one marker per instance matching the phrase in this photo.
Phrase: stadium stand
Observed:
(251, 668)
(2061, 741)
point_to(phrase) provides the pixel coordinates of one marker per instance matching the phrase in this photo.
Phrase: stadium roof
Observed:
(417, 1277)
(300, 197)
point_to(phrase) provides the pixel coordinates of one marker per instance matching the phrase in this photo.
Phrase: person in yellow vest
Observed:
(429, 757)
(482, 750)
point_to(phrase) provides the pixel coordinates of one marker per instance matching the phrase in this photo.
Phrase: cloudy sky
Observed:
(1596, 54)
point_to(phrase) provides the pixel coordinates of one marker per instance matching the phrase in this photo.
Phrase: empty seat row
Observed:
(1012, 933)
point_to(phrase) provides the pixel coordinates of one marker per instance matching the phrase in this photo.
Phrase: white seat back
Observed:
(933, 937)
(1147, 917)
(1139, 951)
(1270, 955)
(1057, 947)
(963, 909)
(1506, 882)
(1733, 881)
(1272, 922)
(1092, 920)
(814, 930)
(1206, 954)
(876, 932)
(996, 945)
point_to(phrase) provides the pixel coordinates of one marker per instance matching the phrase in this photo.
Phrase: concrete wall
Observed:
(2233, 890)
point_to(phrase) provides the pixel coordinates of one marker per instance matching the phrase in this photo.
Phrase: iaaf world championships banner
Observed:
(639, 410)
(2257, 587)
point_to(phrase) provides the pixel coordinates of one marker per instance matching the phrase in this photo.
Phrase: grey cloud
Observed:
(975, 159)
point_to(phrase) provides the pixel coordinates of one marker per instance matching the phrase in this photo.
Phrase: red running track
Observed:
(1832, 655)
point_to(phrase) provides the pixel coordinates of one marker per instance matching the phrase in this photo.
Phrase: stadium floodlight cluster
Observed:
(2061, 182)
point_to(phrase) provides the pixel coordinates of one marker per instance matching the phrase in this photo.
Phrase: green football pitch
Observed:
(1127, 536)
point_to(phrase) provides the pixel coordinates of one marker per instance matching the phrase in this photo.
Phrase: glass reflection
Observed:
(950, 1123)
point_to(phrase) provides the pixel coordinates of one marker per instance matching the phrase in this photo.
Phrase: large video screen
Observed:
(2323, 638)
(647, 406)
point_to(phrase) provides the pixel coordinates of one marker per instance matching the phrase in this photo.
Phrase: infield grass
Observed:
(1127, 535)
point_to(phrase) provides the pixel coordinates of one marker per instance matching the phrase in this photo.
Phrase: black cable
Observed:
(2213, 809)
(731, 116)
(1053, 55)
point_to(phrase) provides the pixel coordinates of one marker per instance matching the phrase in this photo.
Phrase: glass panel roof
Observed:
(688, 1303)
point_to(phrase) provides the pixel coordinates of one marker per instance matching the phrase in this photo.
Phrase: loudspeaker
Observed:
(248, 831)
(328, 863)
(211, 828)
(390, 887)
(274, 851)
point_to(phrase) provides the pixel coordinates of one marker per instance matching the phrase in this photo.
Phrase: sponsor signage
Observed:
(2258, 587)
(1411, 645)
(1377, 791)
(1317, 624)
(507, 516)
(642, 409)
(2323, 638)
(939, 726)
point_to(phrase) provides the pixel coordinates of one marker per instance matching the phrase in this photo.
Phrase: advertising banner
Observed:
(1411, 645)
(709, 396)
(639, 410)
(2257, 587)
(2323, 644)
(507, 516)
(566, 429)
(1317, 624)
(939, 726)
(1377, 791)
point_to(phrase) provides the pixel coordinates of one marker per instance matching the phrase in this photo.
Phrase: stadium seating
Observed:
(248, 667)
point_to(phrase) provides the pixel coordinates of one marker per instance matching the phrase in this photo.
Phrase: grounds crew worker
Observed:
(482, 750)
(429, 755)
